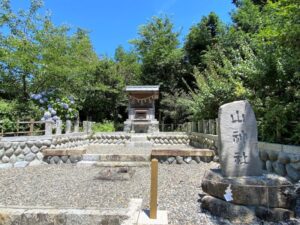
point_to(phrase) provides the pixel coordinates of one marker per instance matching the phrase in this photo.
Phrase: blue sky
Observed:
(114, 22)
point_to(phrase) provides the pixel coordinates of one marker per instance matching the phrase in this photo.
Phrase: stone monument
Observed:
(141, 109)
(239, 155)
(240, 191)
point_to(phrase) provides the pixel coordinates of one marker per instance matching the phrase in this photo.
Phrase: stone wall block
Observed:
(29, 144)
(7, 145)
(292, 173)
(18, 151)
(284, 157)
(9, 152)
(279, 168)
(40, 156)
(20, 157)
(34, 149)
(22, 144)
(296, 165)
(273, 156)
(13, 159)
(263, 155)
(47, 143)
(15, 145)
(26, 150)
(294, 158)
(1, 145)
(29, 157)
(5, 159)
(269, 166)
(1, 153)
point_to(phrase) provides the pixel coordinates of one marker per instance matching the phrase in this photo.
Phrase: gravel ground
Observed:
(78, 187)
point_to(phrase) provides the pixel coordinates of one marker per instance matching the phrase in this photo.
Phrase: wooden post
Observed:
(153, 191)
(31, 127)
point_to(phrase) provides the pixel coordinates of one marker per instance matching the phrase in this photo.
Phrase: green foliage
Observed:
(106, 126)
(204, 34)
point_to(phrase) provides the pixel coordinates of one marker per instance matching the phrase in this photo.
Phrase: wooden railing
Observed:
(35, 128)
(22, 128)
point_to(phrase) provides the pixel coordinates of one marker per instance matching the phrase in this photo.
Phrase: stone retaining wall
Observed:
(281, 159)
(169, 138)
(200, 140)
(24, 151)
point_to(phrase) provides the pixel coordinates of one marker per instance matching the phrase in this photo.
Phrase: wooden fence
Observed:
(23, 128)
(203, 126)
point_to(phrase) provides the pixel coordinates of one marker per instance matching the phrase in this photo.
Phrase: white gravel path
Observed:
(77, 187)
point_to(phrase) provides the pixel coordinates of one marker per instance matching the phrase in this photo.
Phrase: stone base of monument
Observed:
(269, 197)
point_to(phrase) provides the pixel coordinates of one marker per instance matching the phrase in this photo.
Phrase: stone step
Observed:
(182, 152)
(113, 164)
(117, 157)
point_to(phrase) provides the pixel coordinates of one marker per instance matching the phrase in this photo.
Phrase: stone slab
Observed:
(180, 152)
(238, 143)
(61, 152)
(269, 190)
(162, 218)
(234, 213)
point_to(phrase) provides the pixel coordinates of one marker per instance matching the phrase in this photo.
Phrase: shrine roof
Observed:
(144, 88)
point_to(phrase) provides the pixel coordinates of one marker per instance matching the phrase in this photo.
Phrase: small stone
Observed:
(5, 159)
(283, 158)
(40, 156)
(188, 159)
(273, 156)
(193, 162)
(279, 168)
(9, 152)
(21, 164)
(263, 155)
(1, 145)
(56, 159)
(179, 159)
(296, 165)
(18, 151)
(68, 161)
(34, 149)
(6, 166)
(51, 161)
(26, 150)
(269, 166)
(197, 159)
(35, 163)
(64, 158)
(13, 159)
(29, 157)
(7, 145)
(291, 172)
(171, 159)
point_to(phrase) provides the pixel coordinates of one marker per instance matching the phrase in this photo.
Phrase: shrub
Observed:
(105, 126)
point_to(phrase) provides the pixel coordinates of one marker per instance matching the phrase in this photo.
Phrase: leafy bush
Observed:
(106, 126)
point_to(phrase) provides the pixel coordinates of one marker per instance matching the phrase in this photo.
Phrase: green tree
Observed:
(158, 50)
(202, 35)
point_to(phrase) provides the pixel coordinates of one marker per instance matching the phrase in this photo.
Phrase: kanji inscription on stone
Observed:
(238, 151)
